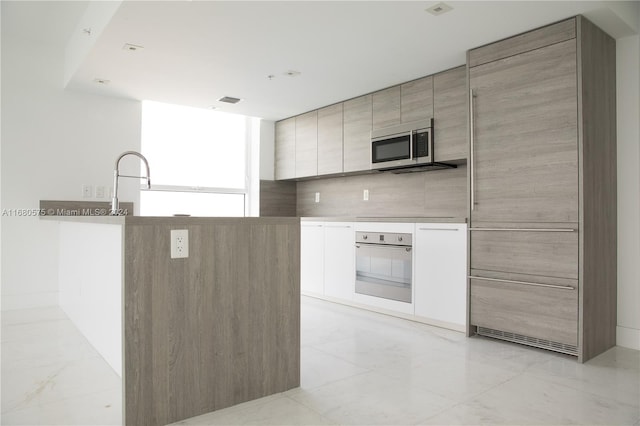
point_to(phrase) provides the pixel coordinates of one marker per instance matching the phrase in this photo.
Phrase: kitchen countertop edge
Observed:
(171, 220)
(387, 219)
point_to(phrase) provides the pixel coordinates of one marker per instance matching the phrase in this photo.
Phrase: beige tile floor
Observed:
(358, 368)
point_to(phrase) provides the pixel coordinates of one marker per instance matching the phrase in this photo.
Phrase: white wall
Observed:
(628, 115)
(53, 142)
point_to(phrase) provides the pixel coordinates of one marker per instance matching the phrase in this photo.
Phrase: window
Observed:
(200, 161)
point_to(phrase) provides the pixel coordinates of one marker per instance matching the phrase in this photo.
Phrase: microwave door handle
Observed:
(413, 149)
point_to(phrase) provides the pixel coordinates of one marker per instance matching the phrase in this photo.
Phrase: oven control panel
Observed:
(384, 238)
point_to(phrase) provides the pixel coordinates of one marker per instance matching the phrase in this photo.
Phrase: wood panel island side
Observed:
(201, 333)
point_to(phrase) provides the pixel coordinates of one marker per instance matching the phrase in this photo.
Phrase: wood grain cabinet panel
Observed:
(357, 134)
(330, 139)
(550, 254)
(525, 42)
(543, 146)
(285, 149)
(386, 107)
(526, 137)
(307, 144)
(215, 329)
(416, 100)
(450, 114)
(540, 312)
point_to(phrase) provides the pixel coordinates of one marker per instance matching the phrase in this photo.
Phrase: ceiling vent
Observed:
(132, 47)
(229, 100)
(439, 9)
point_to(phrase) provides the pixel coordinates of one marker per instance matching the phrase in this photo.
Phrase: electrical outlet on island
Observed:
(179, 243)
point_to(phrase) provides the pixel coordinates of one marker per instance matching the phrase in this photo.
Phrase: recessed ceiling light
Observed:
(292, 73)
(132, 47)
(229, 99)
(439, 9)
(101, 81)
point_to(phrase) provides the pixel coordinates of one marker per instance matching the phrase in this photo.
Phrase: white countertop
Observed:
(387, 219)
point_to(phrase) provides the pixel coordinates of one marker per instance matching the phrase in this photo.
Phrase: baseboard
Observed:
(628, 337)
(428, 321)
(12, 302)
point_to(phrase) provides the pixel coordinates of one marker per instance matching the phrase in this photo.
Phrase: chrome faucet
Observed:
(116, 174)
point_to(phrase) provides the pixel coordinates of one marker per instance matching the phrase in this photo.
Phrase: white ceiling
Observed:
(198, 51)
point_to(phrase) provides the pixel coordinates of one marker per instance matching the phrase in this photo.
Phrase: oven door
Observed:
(384, 271)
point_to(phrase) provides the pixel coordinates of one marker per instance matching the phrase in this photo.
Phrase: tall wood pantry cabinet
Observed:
(542, 183)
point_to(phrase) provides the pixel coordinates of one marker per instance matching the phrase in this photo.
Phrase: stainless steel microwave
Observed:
(403, 145)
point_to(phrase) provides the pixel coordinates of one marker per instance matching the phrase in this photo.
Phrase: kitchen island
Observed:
(198, 334)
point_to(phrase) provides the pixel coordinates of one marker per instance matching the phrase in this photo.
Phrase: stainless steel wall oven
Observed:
(384, 266)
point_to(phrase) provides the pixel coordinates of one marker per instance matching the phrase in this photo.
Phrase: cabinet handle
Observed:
(338, 226)
(471, 147)
(437, 229)
(561, 287)
(526, 229)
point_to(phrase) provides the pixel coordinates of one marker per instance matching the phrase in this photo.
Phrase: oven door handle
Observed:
(383, 246)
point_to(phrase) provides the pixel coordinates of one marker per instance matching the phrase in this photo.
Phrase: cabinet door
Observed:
(525, 166)
(541, 312)
(330, 139)
(450, 114)
(312, 258)
(416, 100)
(532, 40)
(339, 260)
(357, 134)
(285, 149)
(386, 107)
(543, 253)
(440, 272)
(307, 144)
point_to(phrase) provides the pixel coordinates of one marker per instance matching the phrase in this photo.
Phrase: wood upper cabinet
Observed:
(357, 133)
(416, 100)
(450, 114)
(411, 101)
(330, 139)
(525, 137)
(307, 144)
(541, 37)
(386, 107)
(285, 149)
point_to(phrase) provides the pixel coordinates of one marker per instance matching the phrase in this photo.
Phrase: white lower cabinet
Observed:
(328, 264)
(312, 258)
(440, 273)
(339, 260)
(327, 256)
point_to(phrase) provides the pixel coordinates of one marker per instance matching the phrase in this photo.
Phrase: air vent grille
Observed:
(229, 99)
(528, 340)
